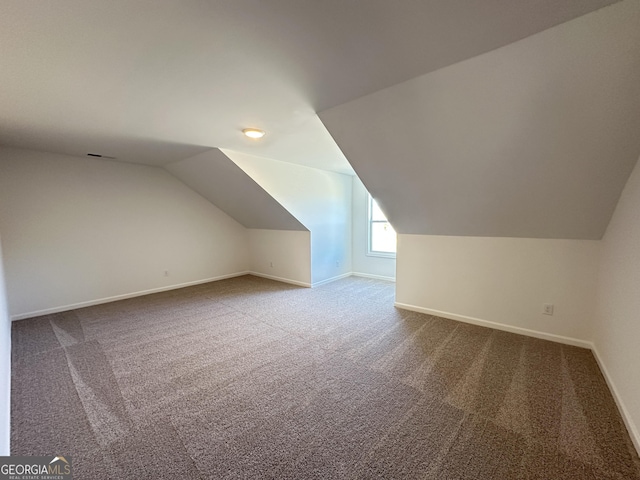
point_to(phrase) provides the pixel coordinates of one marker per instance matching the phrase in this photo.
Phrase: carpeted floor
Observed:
(249, 378)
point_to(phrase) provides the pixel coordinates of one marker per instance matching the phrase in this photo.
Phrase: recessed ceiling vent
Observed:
(97, 155)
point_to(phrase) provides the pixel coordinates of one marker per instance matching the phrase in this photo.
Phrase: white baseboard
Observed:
(321, 282)
(375, 277)
(634, 434)
(115, 298)
(624, 413)
(631, 427)
(163, 289)
(498, 326)
(332, 279)
(280, 279)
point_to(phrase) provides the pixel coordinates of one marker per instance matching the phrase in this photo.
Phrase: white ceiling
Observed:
(155, 81)
(218, 179)
(535, 139)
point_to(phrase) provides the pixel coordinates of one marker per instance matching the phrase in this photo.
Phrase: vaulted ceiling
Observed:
(218, 179)
(155, 81)
(535, 139)
(159, 81)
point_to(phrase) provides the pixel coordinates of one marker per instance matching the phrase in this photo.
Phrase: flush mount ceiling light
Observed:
(253, 132)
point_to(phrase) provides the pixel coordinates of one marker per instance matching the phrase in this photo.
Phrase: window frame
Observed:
(370, 222)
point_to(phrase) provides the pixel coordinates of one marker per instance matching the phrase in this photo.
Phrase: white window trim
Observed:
(373, 253)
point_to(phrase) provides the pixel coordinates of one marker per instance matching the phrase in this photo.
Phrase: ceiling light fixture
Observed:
(253, 133)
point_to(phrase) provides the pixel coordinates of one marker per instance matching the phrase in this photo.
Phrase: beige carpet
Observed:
(249, 378)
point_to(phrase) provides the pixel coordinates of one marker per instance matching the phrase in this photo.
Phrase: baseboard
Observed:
(321, 282)
(375, 277)
(498, 326)
(280, 279)
(332, 279)
(634, 434)
(115, 298)
(624, 413)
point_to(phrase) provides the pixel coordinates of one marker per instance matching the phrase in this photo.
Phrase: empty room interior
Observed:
(321, 239)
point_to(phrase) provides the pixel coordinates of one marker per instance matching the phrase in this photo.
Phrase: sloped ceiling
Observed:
(155, 81)
(535, 139)
(214, 176)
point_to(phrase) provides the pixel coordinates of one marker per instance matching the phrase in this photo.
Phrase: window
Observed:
(382, 236)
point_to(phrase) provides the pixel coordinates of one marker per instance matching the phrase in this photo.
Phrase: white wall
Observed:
(79, 230)
(502, 280)
(361, 262)
(5, 367)
(319, 199)
(617, 324)
(281, 254)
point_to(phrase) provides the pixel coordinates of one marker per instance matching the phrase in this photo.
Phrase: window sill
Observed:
(381, 255)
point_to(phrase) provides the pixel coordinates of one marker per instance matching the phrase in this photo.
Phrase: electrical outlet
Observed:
(547, 309)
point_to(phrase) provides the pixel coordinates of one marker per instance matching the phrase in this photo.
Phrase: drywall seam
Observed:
(624, 413)
(498, 326)
(332, 279)
(280, 279)
(115, 298)
(375, 277)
